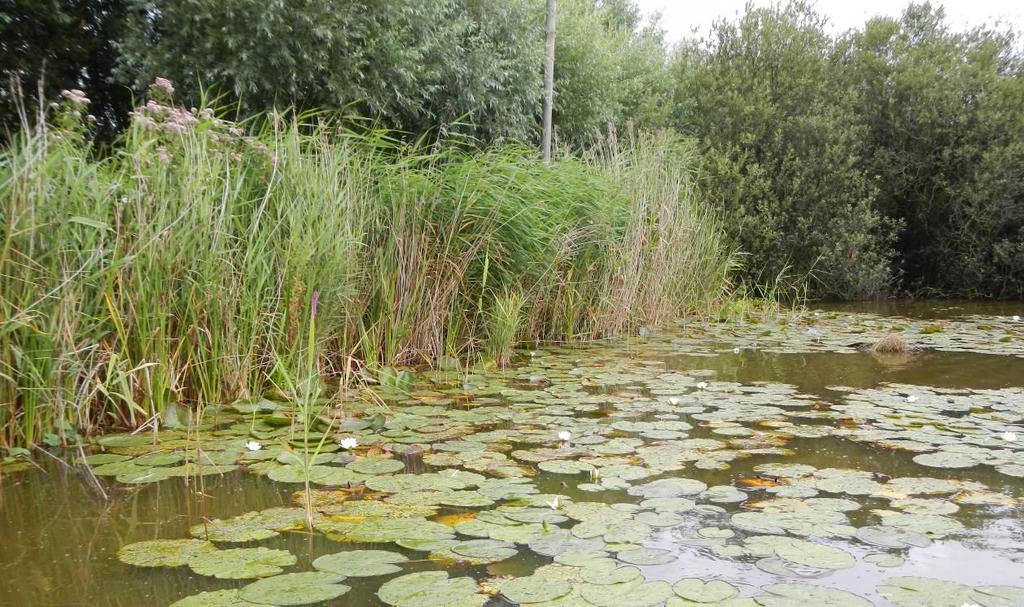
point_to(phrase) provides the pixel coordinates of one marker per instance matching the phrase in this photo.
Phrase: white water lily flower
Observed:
(565, 436)
(702, 385)
(735, 350)
(1016, 318)
(1009, 436)
(911, 398)
(253, 446)
(674, 400)
(553, 504)
(348, 443)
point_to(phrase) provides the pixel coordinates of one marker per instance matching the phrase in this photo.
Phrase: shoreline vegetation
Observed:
(178, 266)
(158, 254)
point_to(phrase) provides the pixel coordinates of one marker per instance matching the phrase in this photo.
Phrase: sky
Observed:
(679, 17)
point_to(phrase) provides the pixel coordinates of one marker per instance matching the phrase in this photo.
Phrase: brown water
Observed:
(59, 534)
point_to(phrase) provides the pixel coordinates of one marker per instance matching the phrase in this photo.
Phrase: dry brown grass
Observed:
(892, 343)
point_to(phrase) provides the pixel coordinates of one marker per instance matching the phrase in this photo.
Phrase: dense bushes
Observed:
(891, 157)
(781, 151)
(884, 160)
(181, 266)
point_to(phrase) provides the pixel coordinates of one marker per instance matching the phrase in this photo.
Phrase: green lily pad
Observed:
(668, 487)
(489, 550)
(294, 589)
(534, 589)
(360, 563)
(376, 465)
(646, 556)
(163, 553)
(430, 589)
(241, 563)
(637, 593)
(216, 598)
(608, 572)
(926, 592)
(946, 459)
(372, 531)
(892, 537)
(811, 554)
(699, 591)
(883, 559)
(801, 595)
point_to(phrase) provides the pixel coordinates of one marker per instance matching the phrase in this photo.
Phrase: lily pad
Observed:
(376, 465)
(430, 589)
(163, 553)
(534, 589)
(646, 556)
(699, 591)
(241, 563)
(216, 598)
(361, 563)
(801, 595)
(294, 589)
(489, 550)
(637, 593)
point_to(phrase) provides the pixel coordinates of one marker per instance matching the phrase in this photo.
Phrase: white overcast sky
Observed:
(680, 17)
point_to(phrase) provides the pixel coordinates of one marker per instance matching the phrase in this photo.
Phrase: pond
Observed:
(774, 462)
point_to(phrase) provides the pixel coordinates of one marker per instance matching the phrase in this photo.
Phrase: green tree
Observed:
(413, 65)
(48, 45)
(782, 146)
(609, 69)
(945, 143)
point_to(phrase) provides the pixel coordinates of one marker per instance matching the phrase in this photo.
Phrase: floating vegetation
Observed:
(603, 478)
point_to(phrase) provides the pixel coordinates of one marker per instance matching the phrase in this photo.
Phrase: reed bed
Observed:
(177, 267)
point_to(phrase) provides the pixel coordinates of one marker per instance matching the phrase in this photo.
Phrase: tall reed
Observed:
(177, 267)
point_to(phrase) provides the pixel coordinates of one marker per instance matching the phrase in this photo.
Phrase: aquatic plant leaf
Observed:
(565, 466)
(215, 598)
(360, 563)
(892, 537)
(303, 588)
(141, 475)
(668, 487)
(373, 531)
(98, 459)
(241, 563)
(911, 591)
(430, 589)
(883, 559)
(534, 589)
(163, 553)
(489, 550)
(608, 572)
(376, 465)
(158, 459)
(637, 593)
(811, 554)
(946, 459)
(557, 541)
(724, 494)
(646, 556)
(699, 591)
(801, 595)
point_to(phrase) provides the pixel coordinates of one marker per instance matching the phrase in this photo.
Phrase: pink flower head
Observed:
(164, 85)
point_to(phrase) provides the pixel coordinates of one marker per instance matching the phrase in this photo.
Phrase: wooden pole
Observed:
(549, 79)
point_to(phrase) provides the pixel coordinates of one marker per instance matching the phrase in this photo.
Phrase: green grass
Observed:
(178, 267)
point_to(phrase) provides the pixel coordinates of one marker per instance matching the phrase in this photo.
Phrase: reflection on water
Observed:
(59, 535)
